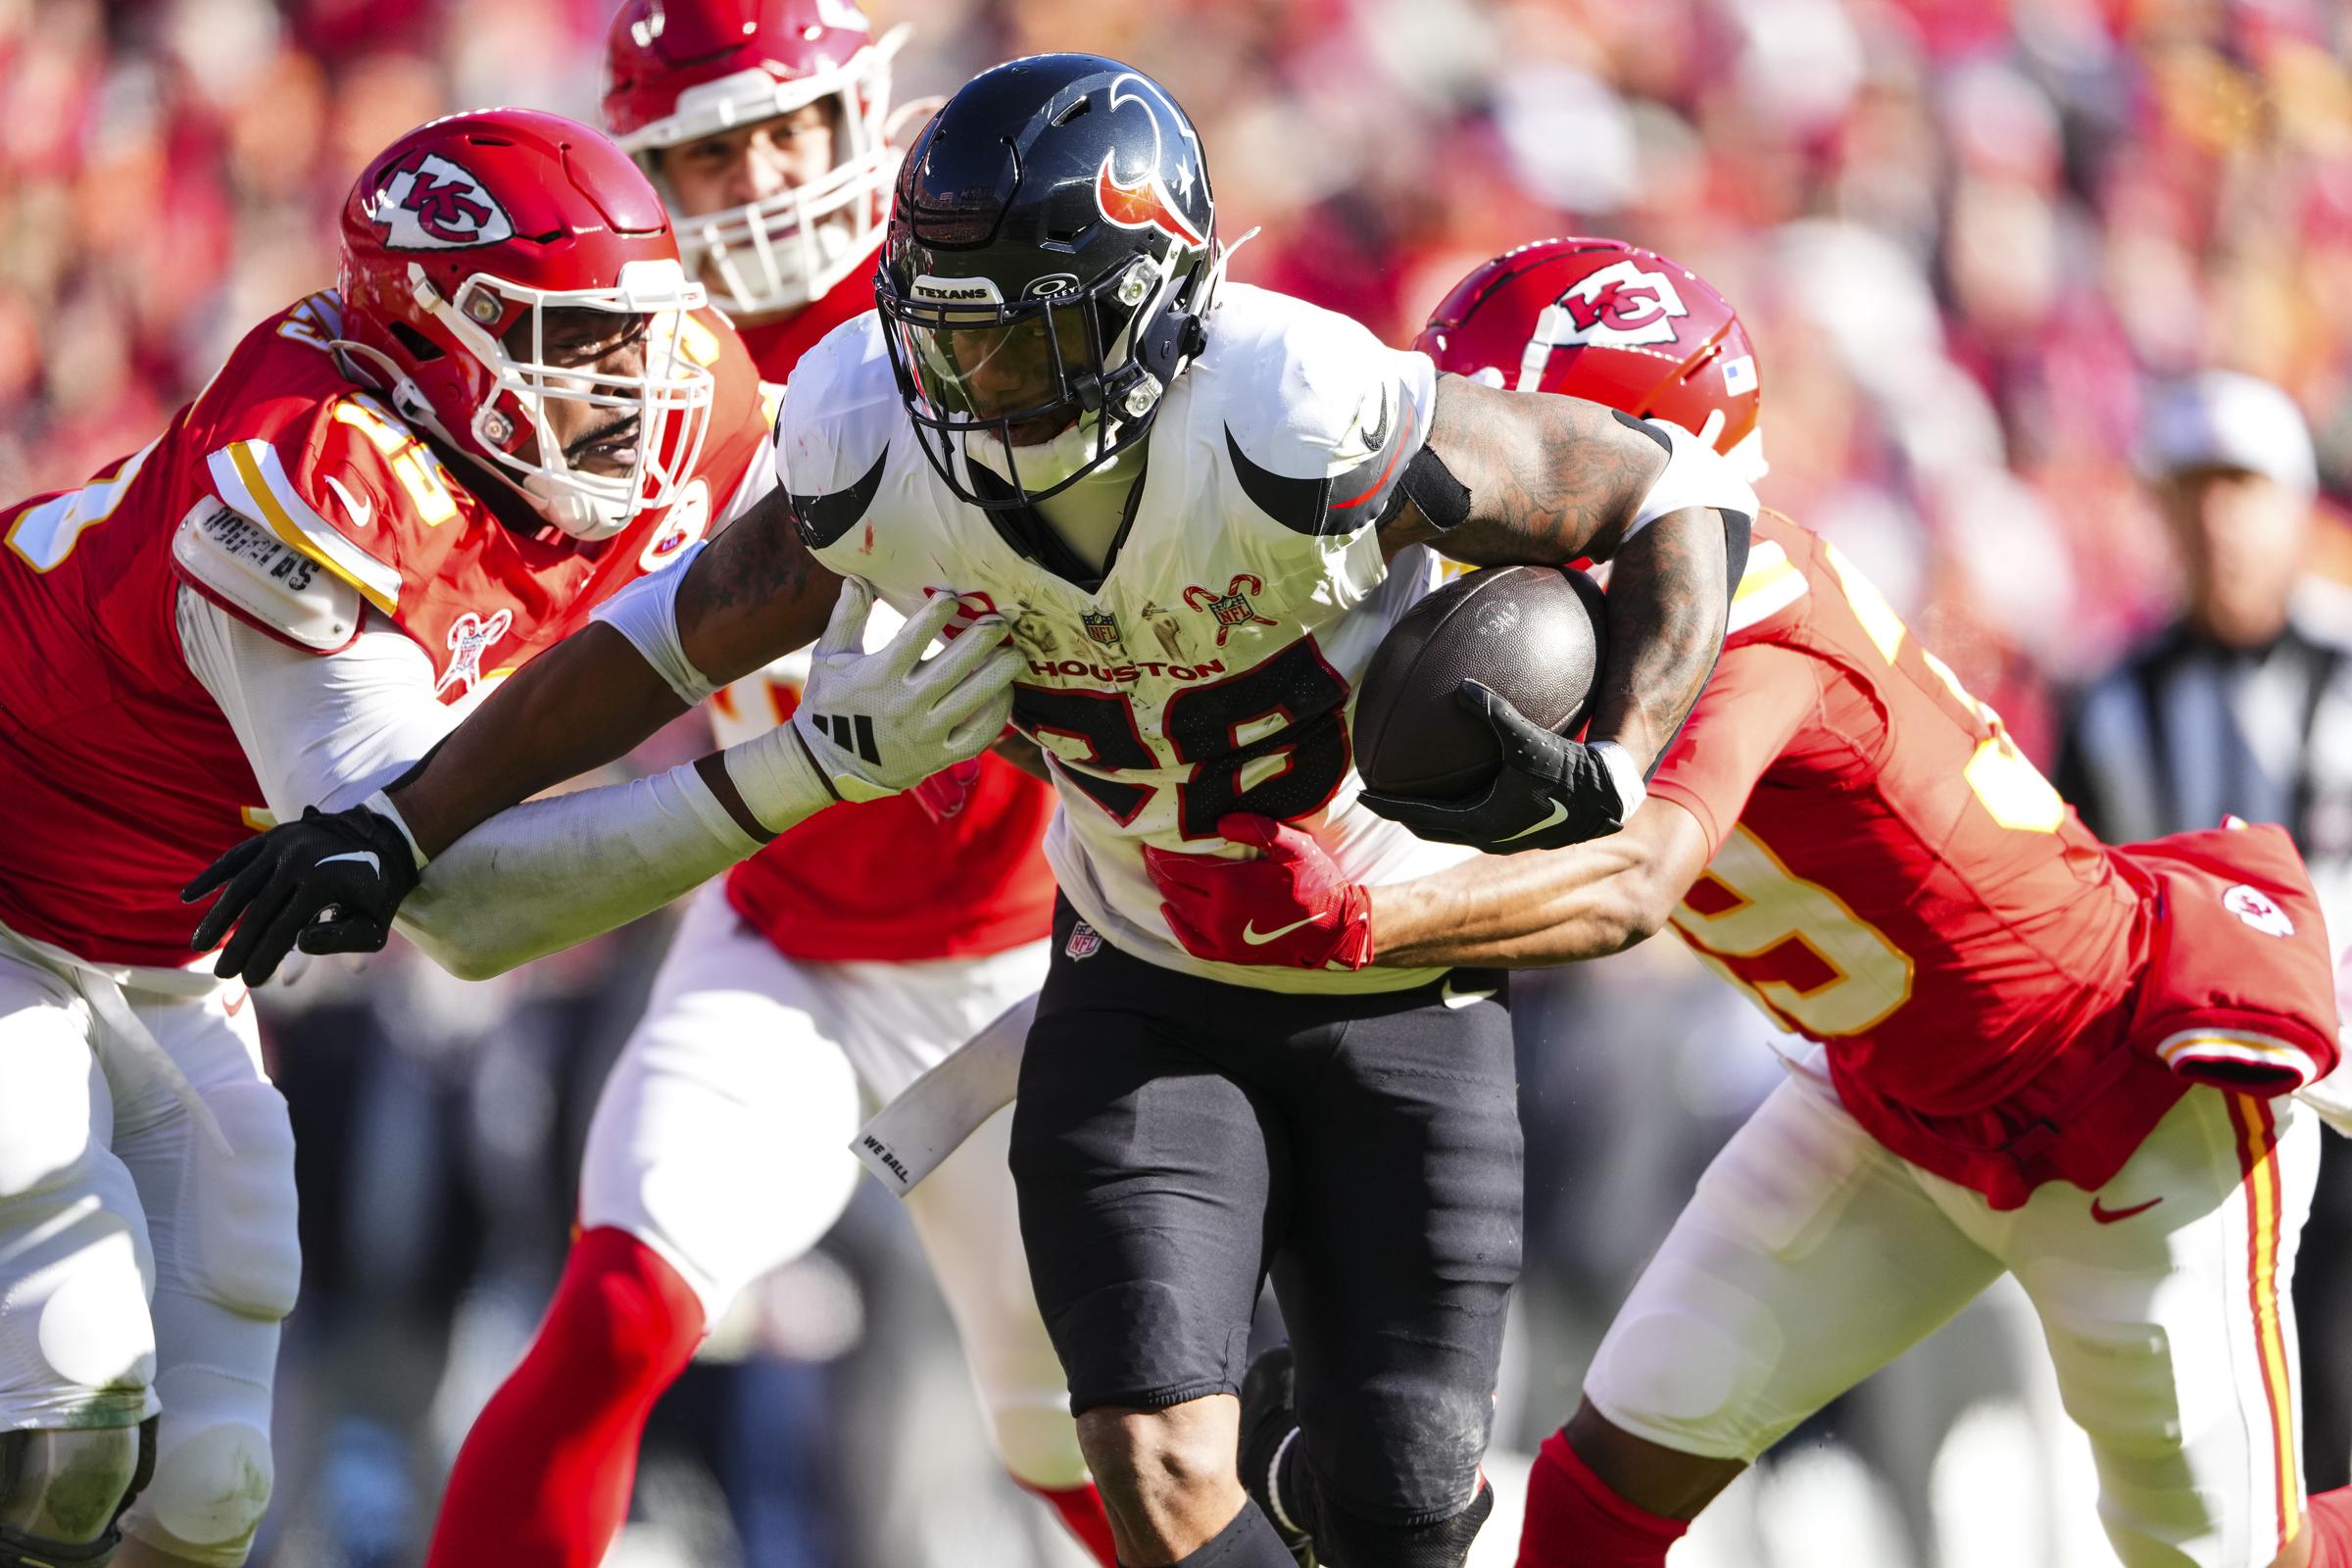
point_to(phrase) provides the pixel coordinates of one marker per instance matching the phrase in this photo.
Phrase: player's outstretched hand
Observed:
(1289, 906)
(881, 722)
(1551, 792)
(325, 883)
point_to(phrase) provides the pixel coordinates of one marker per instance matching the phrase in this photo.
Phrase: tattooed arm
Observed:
(1532, 478)
(1554, 478)
(751, 595)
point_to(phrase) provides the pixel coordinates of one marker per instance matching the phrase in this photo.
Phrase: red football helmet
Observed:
(1602, 320)
(679, 70)
(456, 241)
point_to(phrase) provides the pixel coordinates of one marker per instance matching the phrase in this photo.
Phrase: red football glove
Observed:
(944, 793)
(1289, 906)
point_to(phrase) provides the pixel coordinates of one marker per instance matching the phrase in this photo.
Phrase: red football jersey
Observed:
(118, 778)
(881, 880)
(1894, 880)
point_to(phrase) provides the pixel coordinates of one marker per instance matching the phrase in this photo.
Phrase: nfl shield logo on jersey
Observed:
(1085, 941)
(2259, 910)
(1102, 628)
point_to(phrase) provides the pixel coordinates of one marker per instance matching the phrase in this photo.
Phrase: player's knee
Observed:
(212, 1485)
(1152, 1457)
(66, 1489)
(1385, 1540)
(247, 1254)
(625, 1308)
(1399, 1446)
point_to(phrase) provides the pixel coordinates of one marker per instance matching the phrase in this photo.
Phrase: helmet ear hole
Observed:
(416, 342)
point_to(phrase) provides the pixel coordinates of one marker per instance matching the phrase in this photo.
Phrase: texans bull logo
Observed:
(426, 203)
(1146, 202)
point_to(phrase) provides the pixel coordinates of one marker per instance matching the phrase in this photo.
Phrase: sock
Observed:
(1250, 1541)
(2329, 1519)
(543, 1479)
(1573, 1518)
(1080, 1509)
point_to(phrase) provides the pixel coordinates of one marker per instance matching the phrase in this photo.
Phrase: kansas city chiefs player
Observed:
(391, 494)
(832, 967)
(1197, 509)
(2030, 1052)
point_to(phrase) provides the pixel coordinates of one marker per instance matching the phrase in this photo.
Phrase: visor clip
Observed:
(1142, 396)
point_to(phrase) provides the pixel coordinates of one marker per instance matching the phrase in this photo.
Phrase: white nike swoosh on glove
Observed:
(1259, 939)
(373, 865)
(1559, 814)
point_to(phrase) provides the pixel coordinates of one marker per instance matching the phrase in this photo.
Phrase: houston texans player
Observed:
(1197, 509)
(831, 968)
(2030, 1052)
(393, 493)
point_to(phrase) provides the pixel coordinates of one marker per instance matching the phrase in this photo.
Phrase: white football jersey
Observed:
(1212, 667)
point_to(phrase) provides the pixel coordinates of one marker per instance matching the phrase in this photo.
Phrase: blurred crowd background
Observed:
(1967, 236)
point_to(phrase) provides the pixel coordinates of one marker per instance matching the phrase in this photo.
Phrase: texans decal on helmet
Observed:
(426, 203)
(1144, 203)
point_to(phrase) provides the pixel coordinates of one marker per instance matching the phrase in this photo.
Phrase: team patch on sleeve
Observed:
(250, 478)
(241, 566)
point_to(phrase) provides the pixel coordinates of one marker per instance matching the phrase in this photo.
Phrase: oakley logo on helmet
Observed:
(1052, 283)
(1144, 203)
(1622, 305)
(426, 203)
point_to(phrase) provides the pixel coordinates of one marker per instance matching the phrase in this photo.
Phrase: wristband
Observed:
(1626, 774)
(382, 804)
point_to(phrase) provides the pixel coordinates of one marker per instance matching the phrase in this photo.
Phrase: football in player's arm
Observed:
(1500, 478)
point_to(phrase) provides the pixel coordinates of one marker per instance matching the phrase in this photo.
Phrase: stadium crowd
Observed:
(1967, 237)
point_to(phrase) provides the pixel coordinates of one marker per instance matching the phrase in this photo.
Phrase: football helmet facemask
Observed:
(1049, 264)
(498, 264)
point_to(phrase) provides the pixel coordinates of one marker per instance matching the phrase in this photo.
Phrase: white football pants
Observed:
(721, 1140)
(1810, 1256)
(147, 1231)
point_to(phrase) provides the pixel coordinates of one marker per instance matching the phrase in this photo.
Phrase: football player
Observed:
(392, 493)
(2029, 1051)
(828, 971)
(1197, 509)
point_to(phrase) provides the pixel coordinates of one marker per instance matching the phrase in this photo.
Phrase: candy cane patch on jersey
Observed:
(1232, 609)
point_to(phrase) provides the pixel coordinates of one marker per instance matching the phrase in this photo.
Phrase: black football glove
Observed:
(1552, 791)
(326, 884)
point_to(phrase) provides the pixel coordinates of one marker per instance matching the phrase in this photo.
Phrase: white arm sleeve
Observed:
(549, 873)
(326, 730)
(1694, 475)
(646, 613)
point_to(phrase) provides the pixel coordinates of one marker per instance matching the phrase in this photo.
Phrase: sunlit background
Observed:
(1967, 237)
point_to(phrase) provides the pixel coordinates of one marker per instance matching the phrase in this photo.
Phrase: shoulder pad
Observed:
(1771, 584)
(350, 486)
(833, 433)
(1319, 415)
(242, 566)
